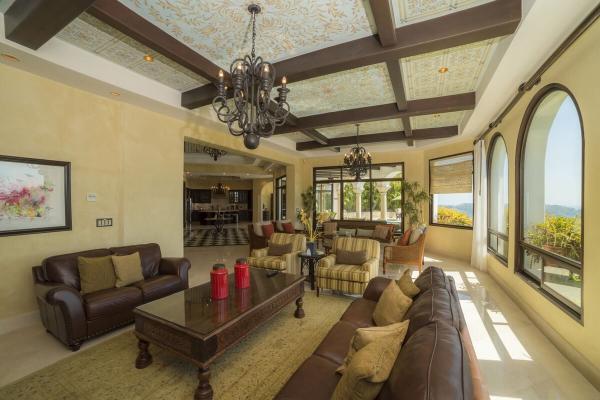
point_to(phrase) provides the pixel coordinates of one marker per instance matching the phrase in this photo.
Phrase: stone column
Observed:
(358, 188)
(382, 188)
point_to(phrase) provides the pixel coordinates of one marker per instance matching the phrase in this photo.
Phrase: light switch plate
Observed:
(104, 222)
(91, 197)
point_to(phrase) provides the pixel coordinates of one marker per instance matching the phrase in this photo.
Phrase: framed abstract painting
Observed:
(35, 195)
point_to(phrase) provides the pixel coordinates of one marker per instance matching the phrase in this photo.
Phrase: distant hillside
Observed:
(467, 208)
(562, 211)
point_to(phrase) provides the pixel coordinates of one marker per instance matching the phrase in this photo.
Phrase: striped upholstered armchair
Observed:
(289, 262)
(348, 278)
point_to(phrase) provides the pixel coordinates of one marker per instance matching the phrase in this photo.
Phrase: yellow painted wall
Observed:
(578, 70)
(132, 158)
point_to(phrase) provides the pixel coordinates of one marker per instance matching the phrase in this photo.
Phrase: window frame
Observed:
(520, 244)
(342, 181)
(431, 194)
(490, 153)
(278, 194)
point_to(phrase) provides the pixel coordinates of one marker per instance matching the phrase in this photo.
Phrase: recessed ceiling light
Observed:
(116, 94)
(443, 70)
(149, 57)
(9, 57)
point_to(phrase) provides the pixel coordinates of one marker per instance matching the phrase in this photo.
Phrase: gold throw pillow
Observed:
(96, 273)
(128, 269)
(392, 306)
(364, 336)
(406, 284)
(370, 368)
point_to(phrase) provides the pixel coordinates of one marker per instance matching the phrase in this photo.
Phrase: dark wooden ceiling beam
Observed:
(436, 105)
(384, 20)
(120, 17)
(31, 23)
(316, 136)
(418, 134)
(395, 74)
(490, 20)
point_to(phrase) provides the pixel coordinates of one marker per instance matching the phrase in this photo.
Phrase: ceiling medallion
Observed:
(253, 114)
(358, 161)
(214, 153)
(219, 188)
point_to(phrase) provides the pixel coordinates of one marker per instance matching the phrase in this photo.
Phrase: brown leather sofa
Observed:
(72, 317)
(436, 361)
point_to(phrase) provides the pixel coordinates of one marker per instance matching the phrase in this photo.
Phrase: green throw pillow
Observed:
(96, 273)
(128, 269)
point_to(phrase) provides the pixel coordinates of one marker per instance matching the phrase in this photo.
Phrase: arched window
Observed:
(550, 239)
(498, 199)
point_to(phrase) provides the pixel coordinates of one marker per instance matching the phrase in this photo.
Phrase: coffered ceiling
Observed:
(407, 70)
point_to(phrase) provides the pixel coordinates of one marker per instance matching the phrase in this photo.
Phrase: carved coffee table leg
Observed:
(144, 357)
(299, 310)
(204, 390)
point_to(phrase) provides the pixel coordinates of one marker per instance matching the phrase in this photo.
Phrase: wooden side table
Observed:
(311, 263)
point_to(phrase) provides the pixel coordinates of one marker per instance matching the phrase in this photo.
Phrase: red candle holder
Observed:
(219, 282)
(242, 274)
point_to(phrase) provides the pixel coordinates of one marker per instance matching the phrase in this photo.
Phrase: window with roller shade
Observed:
(451, 189)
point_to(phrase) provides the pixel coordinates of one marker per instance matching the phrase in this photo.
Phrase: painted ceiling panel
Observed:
(297, 137)
(366, 128)
(95, 36)
(359, 87)
(218, 29)
(437, 120)
(465, 67)
(410, 11)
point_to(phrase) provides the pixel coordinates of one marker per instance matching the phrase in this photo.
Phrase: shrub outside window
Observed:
(451, 188)
(498, 222)
(550, 241)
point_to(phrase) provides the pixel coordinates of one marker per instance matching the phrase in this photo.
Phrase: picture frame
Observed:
(35, 195)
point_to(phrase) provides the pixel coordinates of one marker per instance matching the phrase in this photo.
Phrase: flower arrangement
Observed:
(25, 202)
(311, 229)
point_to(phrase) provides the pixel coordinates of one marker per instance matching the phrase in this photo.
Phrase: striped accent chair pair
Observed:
(345, 277)
(290, 262)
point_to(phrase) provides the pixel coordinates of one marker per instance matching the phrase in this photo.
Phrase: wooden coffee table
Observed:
(191, 325)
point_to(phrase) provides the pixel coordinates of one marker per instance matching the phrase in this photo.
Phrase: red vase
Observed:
(219, 285)
(242, 274)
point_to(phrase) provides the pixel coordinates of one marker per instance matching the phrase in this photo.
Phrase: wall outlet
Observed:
(104, 222)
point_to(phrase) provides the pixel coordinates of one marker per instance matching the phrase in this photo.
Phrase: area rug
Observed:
(208, 237)
(256, 368)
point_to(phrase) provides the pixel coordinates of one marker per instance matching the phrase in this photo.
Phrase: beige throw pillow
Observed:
(364, 336)
(392, 306)
(370, 368)
(96, 273)
(406, 284)
(381, 232)
(128, 269)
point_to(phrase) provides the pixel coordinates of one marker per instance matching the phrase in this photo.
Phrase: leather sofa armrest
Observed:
(375, 287)
(175, 266)
(72, 327)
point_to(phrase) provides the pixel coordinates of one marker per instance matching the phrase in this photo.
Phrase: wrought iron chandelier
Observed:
(219, 188)
(358, 160)
(252, 113)
(214, 153)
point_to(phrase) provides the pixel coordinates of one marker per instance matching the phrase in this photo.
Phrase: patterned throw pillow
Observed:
(279, 249)
(350, 257)
(381, 232)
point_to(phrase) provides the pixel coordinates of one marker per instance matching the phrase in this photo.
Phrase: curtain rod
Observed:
(537, 76)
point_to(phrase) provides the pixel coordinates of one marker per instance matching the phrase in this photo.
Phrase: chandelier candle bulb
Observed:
(283, 82)
(221, 75)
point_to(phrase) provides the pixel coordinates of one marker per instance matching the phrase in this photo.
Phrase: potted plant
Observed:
(312, 234)
(414, 198)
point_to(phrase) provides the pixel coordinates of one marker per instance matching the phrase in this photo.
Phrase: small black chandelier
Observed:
(214, 153)
(253, 114)
(358, 161)
(219, 188)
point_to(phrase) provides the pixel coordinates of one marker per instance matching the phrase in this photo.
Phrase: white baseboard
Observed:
(19, 322)
(582, 364)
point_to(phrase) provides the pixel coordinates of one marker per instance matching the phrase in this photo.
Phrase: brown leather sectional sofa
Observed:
(436, 362)
(72, 317)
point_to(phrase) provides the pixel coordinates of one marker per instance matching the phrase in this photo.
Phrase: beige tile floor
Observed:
(517, 361)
